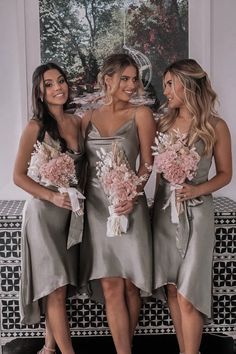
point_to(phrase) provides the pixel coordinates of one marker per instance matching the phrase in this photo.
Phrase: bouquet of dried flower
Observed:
(50, 167)
(177, 162)
(119, 183)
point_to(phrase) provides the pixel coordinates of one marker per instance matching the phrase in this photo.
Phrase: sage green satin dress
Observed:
(183, 254)
(50, 254)
(128, 256)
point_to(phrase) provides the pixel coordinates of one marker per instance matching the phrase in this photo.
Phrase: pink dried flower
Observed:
(59, 171)
(49, 166)
(174, 159)
(118, 180)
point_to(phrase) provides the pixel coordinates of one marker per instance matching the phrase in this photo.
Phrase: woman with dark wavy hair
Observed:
(183, 250)
(49, 268)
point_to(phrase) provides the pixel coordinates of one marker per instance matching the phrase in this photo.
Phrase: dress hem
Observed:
(207, 316)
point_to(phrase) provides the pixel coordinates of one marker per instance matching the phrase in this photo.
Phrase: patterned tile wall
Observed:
(88, 318)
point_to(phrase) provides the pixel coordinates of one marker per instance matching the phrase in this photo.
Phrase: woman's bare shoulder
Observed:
(86, 118)
(143, 110)
(143, 115)
(34, 125)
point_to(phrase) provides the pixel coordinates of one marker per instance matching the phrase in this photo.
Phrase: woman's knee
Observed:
(112, 288)
(185, 304)
(130, 288)
(171, 291)
(58, 295)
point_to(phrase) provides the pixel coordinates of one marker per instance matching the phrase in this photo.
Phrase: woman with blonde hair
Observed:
(117, 270)
(183, 250)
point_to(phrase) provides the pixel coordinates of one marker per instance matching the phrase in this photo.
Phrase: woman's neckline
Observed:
(115, 131)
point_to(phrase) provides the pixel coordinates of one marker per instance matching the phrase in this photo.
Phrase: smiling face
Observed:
(174, 91)
(53, 88)
(124, 85)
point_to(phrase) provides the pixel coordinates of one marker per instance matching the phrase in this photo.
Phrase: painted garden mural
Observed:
(79, 34)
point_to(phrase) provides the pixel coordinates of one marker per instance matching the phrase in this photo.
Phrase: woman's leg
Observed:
(57, 321)
(133, 301)
(192, 325)
(117, 313)
(49, 339)
(175, 315)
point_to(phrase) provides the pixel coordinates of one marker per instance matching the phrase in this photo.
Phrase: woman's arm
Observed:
(20, 178)
(146, 131)
(223, 163)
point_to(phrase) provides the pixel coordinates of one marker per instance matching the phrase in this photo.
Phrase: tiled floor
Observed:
(159, 344)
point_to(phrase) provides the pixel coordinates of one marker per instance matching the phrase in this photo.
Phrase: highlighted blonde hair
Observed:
(200, 100)
(113, 64)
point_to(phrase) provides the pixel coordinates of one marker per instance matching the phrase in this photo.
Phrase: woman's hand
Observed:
(188, 191)
(61, 200)
(125, 208)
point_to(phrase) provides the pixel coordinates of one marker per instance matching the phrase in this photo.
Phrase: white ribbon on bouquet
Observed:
(75, 197)
(176, 207)
(116, 224)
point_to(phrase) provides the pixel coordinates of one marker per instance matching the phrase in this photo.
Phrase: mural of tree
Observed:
(78, 34)
(159, 29)
(70, 41)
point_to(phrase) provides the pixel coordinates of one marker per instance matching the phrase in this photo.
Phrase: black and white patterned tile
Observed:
(88, 318)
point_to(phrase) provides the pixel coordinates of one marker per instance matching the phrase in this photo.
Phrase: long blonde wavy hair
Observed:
(199, 98)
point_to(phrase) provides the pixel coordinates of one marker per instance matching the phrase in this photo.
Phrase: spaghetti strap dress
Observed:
(128, 256)
(183, 255)
(47, 262)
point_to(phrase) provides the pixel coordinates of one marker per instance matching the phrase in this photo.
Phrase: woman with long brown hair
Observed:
(49, 268)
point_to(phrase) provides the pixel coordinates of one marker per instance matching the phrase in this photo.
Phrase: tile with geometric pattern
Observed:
(88, 318)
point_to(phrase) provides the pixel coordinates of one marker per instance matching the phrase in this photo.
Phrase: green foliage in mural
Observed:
(78, 34)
